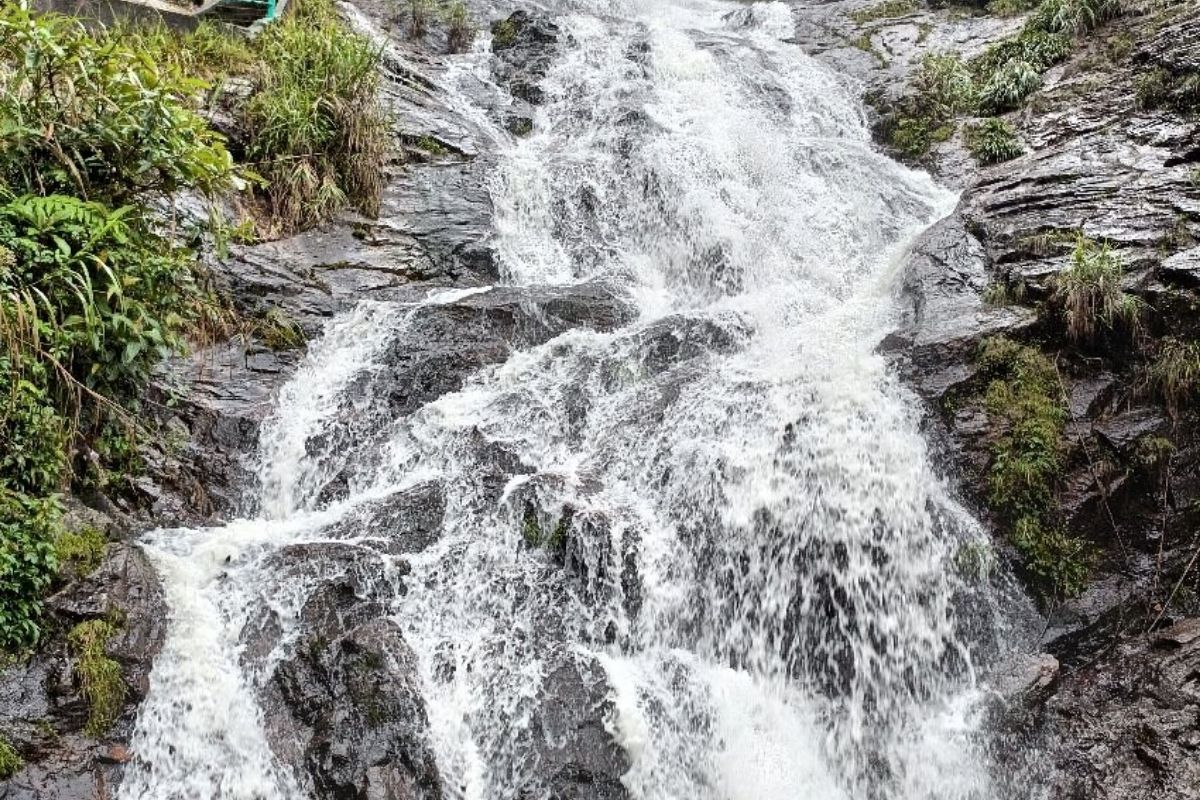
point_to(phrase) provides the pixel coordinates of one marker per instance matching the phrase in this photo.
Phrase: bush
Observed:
(99, 676)
(28, 564)
(1090, 293)
(993, 141)
(941, 88)
(419, 14)
(1074, 17)
(315, 130)
(1175, 372)
(888, 9)
(80, 552)
(96, 119)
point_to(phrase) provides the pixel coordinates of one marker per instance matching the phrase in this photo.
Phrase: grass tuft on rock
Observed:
(888, 9)
(1175, 373)
(1090, 294)
(993, 141)
(99, 675)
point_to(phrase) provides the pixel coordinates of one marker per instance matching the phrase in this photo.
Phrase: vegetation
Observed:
(998, 80)
(460, 29)
(81, 551)
(315, 132)
(1090, 293)
(91, 292)
(1025, 397)
(537, 535)
(99, 675)
(993, 141)
(1175, 372)
(10, 759)
(888, 9)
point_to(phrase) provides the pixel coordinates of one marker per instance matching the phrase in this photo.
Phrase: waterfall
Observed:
(740, 531)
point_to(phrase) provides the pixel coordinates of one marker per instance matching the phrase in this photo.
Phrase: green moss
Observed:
(536, 535)
(888, 9)
(993, 141)
(10, 760)
(99, 676)
(80, 552)
(1024, 401)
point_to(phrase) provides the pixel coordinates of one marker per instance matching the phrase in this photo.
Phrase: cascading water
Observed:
(760, 555)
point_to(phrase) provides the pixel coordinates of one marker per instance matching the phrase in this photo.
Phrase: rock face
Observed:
(1114, 718)
(43, 709)
(524, 45)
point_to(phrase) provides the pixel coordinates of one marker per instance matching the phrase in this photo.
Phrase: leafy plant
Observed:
(99, 675)
(940, 89)
(1090, 294)
(96, 119)
(80, 552)
(888, 9)
(1008, 86)
(993, 141)
(1074, 17)
(28, 564)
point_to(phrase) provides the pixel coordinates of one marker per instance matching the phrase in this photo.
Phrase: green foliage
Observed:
(1175, 372)
(29, 527)
(504, 33)
(1074, 17)
(537, 535)
(1090, 293)
(316, 133)
(1159, 88)
(92, 131)
(96, 119)
(79, 552)
(209, 52)
(1025, 398)
(940, 89)
(1010, 8)
(420, 13)
(460, 28)
(99, 675)
(888, 9)
(993, 141)
(104, 297)
(10, 760)
(279, 331)
(1008, 86)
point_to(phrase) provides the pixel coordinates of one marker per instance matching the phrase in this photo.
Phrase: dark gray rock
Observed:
(525, 45)
(42, 707)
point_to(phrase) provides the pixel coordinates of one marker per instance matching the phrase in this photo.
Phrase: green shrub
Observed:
(1175, 372)
(29, 527)
(208, 52)
(1074, 17)
(32, 432)
(993, 141)
(1058, 560)
(1153, 88)
(316, 133)
(10, 760)
(96, 119)
(504, 33)
(940, 89)
(1090, 294)
(420, 12)
(99, 676)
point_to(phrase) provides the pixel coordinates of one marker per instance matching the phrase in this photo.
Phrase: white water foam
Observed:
(741, 451)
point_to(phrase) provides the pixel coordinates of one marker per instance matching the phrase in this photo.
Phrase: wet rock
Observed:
(354, 708)
(574, 754)
(525, 45)
(43, 710)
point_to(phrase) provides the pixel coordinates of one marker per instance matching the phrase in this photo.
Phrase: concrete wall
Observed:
(107, 11)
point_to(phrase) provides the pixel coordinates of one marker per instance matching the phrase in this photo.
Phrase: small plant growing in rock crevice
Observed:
(993, 141)
(99, 675)
(1175, 373)
(460, 29)
(10, 760)
(1090, 293)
